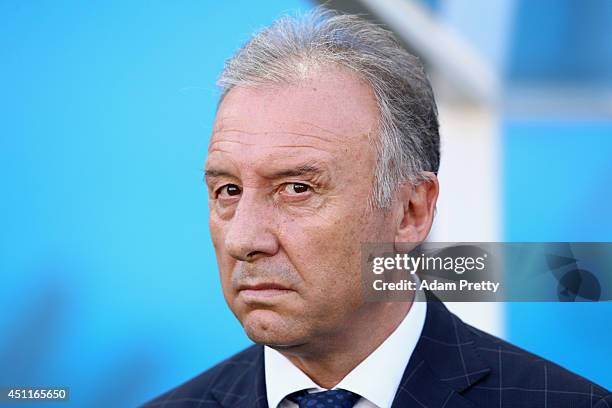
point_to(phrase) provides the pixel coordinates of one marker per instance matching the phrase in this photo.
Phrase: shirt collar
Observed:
(390, 358)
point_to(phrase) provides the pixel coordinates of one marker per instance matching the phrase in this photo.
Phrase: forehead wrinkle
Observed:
(218, 149)
(279, 132)
(214, 146)
(323, 129)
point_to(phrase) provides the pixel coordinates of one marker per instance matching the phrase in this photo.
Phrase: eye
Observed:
(228, 190)
(296, 188)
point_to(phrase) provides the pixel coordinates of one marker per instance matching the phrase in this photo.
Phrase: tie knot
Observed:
(325, 399)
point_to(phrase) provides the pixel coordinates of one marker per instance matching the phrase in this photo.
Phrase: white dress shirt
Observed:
(376, 379)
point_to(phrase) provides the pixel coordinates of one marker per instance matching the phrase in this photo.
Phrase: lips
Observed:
(262, 291)
(262, 286)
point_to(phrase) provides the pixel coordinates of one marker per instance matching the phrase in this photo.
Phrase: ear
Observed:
(417, 203)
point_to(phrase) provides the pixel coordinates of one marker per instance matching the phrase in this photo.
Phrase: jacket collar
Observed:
(241, 384)
(444, 364)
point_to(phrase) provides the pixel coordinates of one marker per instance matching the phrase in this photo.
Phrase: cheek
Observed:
(216, 227)
(224, 261)
(327, 254)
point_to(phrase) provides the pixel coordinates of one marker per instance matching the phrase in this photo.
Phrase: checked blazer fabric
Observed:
(454, 365)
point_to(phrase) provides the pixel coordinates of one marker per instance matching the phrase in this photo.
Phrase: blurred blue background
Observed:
(109, 281)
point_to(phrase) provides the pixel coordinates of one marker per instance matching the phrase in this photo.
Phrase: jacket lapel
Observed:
(444, 363)
(421, 388)
(243, 386)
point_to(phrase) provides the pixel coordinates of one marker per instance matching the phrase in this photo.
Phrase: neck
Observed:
(329, 361)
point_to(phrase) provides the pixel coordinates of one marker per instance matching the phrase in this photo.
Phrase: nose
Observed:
(250, 232)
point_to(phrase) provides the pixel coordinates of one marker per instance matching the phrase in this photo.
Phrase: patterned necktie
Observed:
(324, 399)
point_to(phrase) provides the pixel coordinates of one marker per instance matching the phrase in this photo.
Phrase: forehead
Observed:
(332, 111)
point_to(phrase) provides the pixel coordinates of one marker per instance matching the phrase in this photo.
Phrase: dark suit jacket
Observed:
(453, 365)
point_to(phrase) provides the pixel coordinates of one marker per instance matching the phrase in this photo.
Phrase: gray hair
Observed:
(408, 142)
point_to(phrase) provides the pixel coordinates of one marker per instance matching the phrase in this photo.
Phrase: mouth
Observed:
(262, 291)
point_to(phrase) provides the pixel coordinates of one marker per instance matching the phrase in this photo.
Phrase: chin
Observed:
(269, 328)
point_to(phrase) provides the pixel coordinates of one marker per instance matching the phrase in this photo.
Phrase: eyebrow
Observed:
(212, 173)
(307, 169)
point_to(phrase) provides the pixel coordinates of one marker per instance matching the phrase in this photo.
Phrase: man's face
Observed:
(289, 173)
